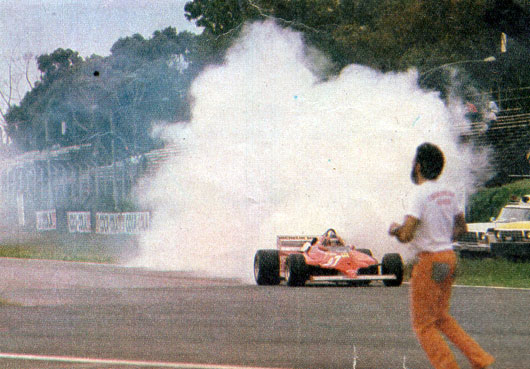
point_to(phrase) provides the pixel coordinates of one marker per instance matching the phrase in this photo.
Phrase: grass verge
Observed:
(38, 252)
(69, 247)
(493, 272)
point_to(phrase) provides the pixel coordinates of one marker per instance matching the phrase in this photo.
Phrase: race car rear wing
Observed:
(292, 243)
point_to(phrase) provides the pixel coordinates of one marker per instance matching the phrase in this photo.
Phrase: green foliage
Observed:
(384, 34)
(109, 102)
(217, 16)
(59, 62)
(488, 202)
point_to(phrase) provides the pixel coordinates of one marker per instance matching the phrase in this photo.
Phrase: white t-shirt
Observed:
(436, 206)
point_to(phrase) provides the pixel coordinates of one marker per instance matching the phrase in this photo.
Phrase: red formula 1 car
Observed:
(326, 258)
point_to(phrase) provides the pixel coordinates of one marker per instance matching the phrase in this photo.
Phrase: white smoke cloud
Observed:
(272, 149)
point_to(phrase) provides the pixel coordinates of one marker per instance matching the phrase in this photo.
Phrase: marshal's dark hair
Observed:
(431, 160)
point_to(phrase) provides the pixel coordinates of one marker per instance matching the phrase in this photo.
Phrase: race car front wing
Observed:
(341, 278)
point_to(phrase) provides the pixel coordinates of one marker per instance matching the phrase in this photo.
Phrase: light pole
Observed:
(489, 59)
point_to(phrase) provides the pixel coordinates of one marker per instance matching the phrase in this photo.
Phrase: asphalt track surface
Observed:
(76, 315)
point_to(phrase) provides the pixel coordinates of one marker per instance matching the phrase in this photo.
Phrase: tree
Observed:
(109, 102)
(219, 16)
(59, 62)
(12, 88)
(511, 18)
(384, 34)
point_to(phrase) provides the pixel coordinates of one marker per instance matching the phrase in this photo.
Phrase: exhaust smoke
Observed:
(273, 150)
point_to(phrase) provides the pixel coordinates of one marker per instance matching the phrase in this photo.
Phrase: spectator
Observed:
(491, 113)
(434, 219)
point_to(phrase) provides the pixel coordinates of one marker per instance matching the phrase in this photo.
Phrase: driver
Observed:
(322, 243)
(330, 238)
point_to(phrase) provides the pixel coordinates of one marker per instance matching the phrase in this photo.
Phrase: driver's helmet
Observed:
(330, 233)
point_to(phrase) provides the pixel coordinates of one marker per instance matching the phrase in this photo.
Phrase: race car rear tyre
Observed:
(267, 267)
(296, 270)
(392, 264)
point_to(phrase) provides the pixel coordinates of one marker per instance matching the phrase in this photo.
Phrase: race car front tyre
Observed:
(296, 270)
(365, 251)
(267, 267)
(371, 270)
(392, 264)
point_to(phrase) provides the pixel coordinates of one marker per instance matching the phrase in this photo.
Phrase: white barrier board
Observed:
(122, 223)
(46, 220)
(78, 221)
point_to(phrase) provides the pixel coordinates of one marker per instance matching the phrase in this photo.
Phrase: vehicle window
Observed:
(514, 215)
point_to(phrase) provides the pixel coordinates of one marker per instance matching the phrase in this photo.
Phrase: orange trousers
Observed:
(432, 278)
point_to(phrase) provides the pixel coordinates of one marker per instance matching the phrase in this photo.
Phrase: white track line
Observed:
(493, 287)
(487, 287)
(80, 360)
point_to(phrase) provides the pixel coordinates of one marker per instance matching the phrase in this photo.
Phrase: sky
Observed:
(36, 27)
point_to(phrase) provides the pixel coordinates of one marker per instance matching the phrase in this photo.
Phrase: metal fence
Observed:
(66, 180)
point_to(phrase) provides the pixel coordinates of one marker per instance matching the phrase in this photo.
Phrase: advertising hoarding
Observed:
(122, 223)
(78, 221)
(46, 220)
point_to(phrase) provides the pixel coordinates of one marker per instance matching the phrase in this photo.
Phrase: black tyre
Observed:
(267, 267)
(296, 270)
(392, 264)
